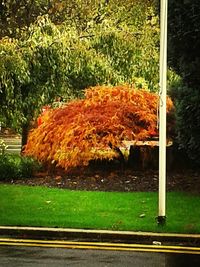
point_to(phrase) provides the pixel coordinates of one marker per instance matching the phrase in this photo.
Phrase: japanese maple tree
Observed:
(95, 127)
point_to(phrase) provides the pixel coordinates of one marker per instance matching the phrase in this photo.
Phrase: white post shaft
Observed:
(162, 109)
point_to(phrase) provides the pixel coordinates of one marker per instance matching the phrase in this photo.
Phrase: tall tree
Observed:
(15, 14)
(31, 73)
(184, 40)
(184, 57)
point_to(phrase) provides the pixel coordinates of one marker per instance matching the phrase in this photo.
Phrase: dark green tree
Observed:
(15, 14)
(184, 57)
(184, 40)
(31, 73)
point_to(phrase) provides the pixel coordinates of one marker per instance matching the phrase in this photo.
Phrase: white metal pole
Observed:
(162, 112)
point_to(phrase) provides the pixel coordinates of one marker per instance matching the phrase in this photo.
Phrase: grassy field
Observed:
(40, 206)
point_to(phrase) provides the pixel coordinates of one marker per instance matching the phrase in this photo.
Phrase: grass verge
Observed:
(137, 211)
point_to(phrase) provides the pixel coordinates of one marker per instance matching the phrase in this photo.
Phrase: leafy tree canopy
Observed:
(184, 57)
(15, 14)
(184, 40)
(31, 72)
(48, 59)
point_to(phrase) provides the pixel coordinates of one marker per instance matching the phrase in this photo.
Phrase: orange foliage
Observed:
(44, 115)
(84, 130)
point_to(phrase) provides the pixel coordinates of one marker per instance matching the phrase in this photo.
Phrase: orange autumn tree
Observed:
(95, 127)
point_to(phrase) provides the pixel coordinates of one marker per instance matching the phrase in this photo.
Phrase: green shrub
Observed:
(29, 166)
(7, 168)
(184, 40)
(188, 122)
(15, 167)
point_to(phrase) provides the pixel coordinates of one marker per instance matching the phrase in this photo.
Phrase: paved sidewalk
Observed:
(13, 143)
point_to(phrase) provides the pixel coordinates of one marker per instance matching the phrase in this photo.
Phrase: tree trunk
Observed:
(121, 156)
(25, 130)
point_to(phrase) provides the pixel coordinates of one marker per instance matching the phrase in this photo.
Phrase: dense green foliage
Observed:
(15, 167)
(31, 72)
(16, 15)
(188, 121)
(184, 40)
(184, 57)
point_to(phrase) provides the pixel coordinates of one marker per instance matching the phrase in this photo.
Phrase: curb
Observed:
(84, 235)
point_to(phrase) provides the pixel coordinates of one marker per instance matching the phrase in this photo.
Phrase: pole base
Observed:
(161, 220)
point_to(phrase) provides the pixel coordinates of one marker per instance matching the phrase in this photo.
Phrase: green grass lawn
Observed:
(50, 207)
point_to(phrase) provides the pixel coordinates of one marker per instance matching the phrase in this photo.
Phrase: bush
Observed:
(96, 127)
(188, 122)
(184, 40)
(15, 167)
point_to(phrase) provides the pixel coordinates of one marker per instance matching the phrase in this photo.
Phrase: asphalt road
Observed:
(21, 256)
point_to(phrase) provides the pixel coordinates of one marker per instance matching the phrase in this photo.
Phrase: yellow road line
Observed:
(99, 246)
(94, 243)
